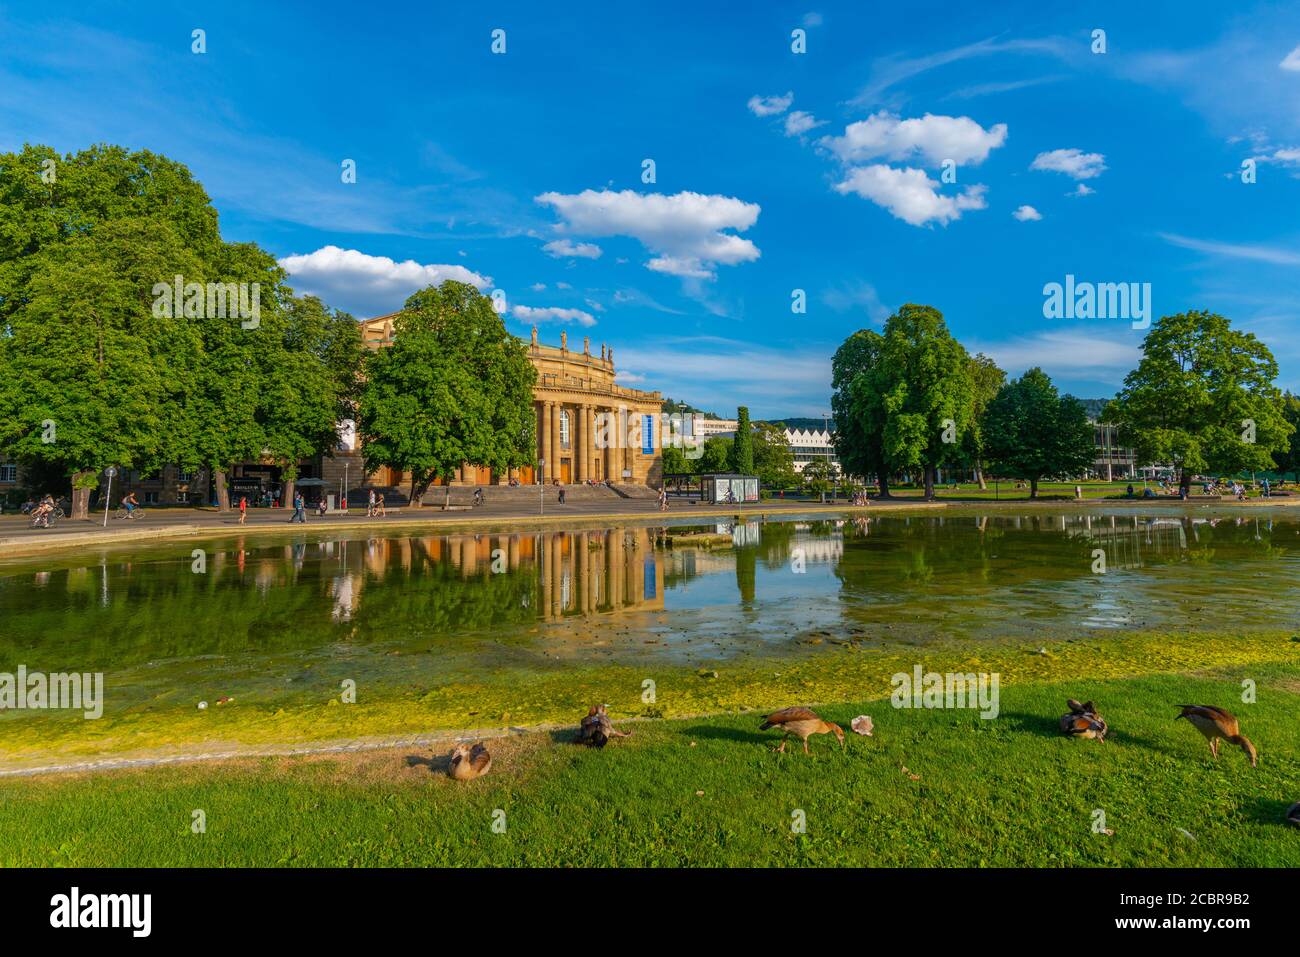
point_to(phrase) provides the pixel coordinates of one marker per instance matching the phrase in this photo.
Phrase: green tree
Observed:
(1287, 459)
(1030, 431)
(1202, 399)
(455, 387)
(906, 395)
(820, 476)
(986, 380)
(676, 462)
(773, 459)
(717, 455)
(859, 416)
(742, 447)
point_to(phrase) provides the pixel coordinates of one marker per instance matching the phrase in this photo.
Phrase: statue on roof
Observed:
(564, 340)
(534, 337)
(586, 345)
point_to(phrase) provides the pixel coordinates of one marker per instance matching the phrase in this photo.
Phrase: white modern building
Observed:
(811, 446)
(707, 427)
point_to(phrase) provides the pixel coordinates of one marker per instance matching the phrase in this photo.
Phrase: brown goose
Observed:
(801, 723)
(1083, 721)
(1216, 723)
(469, 763)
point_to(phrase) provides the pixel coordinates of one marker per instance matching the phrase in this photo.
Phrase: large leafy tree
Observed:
(716, 456)
(1202, 399)
(908, 394)
(986, 381)
(83, 240)
(1287, 458)
(773, 459)
(454, 387)
(1031, 431)
(859, 416)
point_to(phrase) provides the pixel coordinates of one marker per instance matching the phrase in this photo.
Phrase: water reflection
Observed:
(965, 575)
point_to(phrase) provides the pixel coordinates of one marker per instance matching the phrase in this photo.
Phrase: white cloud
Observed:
(1291, 61)
(1257, 253)
(910, 195)
(537, 286)
(684, 231)
(770, 105)
(1072, 162)
(798, 123)
(562, 248)
(368, 285)
(1027, 213)
(1082, 189)
(562, 285)
(530, 314)
(933, 138)
(1103, 357)
(594, 306)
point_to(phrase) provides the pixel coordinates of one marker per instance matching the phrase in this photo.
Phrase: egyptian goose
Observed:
(1293, 814)
(801, 723)
(1216, 723)
(469, 763)
(596, 728)
(1083, 721)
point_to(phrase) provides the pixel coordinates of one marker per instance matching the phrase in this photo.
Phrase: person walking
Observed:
(379, 506)
(243, 508)
(299, 513)
(561, 494)
(663, 499)
(370, 510)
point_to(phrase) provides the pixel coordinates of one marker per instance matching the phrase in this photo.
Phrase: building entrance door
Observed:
(566, 472)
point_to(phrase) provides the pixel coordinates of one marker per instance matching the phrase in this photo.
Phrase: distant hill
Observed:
(1094, 406)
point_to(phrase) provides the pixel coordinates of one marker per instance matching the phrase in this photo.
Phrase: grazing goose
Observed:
(801, 723)
(1216, 723)
(469, 763)
(1083, 721)
(597, 729)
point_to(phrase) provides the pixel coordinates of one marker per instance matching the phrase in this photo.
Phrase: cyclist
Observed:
(130, 504)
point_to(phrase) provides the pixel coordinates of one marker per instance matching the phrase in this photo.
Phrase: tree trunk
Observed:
(1184, 482)
(223, 490)
(1033, 488)
(979, 477)
(80, 495)
(286, 495)
(884, 484)
(929, 483)
(446, 496)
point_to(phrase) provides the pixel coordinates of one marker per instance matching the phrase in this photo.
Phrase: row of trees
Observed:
(911, 399)
(116, 351)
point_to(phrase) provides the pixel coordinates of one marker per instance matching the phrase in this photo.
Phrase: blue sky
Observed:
(774, 170)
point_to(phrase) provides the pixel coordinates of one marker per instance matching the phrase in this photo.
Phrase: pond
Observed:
(278, 615)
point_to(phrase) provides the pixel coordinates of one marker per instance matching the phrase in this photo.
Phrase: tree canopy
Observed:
(1202, 399)
(1030, 431)
(453, 387)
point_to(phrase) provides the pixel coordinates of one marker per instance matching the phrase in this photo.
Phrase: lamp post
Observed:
(110, 472)
(541, 486)
(343, 492)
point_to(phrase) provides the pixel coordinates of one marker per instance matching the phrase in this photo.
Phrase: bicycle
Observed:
(47, 519)
(122, 512)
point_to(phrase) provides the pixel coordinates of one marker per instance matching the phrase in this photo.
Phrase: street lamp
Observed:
(541, 486)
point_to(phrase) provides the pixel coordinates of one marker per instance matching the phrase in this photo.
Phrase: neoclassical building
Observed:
(589, 428)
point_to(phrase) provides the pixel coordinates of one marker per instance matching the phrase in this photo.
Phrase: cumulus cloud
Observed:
(798, 123)
(910, 195)
(532, 314)
(932, 138)
(1027, 213)
(1291, 61)
(368, 285)
(1082, 189)
(1068, 353)
(566, 248)
(770, 105)
(1072, 162)
(685, 232)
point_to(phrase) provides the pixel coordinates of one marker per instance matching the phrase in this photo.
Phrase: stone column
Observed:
(544, 437)
(557, 451)
(589, 440)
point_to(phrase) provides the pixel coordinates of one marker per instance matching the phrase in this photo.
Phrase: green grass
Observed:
(1009, 791)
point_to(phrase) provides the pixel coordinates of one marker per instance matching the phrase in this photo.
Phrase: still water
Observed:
(270, 613)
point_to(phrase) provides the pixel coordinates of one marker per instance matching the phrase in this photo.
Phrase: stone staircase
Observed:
(463, 495)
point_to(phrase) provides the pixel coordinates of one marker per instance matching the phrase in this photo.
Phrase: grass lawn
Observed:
(709, 791)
